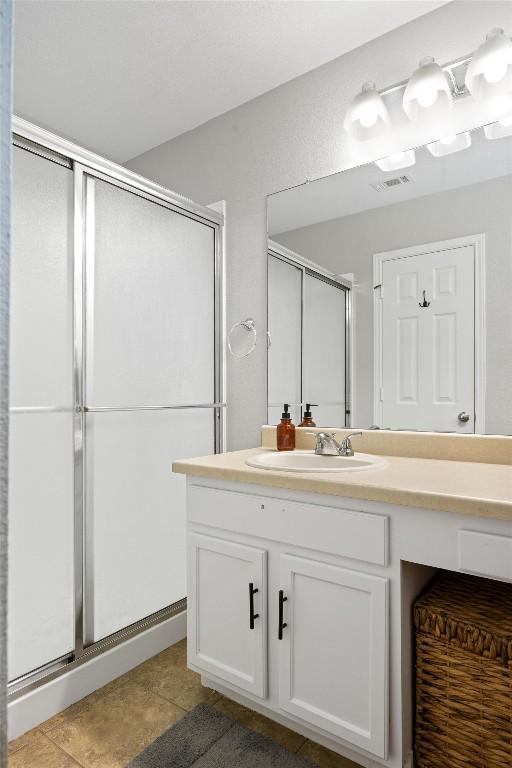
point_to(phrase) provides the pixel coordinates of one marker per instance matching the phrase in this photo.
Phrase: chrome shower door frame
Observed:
(87, 166)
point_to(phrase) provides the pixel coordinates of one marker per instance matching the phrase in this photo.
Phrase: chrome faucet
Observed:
(326, 439)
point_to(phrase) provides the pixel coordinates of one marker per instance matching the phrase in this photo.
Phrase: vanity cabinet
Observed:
(333, 653)
(227, 611)
(292, 626)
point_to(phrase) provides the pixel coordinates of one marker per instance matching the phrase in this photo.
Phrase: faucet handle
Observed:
(317, 435)
(346, 444)
(320, 438)
(354, 434)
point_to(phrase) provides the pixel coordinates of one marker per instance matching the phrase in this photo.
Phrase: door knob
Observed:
(463, 417)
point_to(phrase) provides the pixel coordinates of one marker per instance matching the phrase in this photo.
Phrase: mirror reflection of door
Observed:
(307, 328)
(442, 226)
(425, 338)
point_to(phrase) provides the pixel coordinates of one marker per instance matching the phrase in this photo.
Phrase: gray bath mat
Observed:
(206, 738)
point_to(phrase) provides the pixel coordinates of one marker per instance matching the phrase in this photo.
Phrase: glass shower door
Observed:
(41, 501)
(149, 394)
(285, 338)
(324, 350)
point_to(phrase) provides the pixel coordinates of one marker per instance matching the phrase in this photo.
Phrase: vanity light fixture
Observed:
(447, 145)
(499, 130)
(489, 73)
(396, 161)
(428, 93)
(367, 117)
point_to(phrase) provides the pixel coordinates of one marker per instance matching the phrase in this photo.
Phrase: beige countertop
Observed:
(464, 487)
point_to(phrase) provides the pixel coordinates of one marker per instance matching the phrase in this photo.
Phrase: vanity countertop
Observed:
(469, 488)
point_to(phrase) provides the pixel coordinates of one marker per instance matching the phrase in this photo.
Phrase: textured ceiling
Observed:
(122, 77)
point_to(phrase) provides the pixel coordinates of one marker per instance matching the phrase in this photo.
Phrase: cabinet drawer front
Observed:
(333, 651)
(358, 535)
(485, 554)
(227, 611)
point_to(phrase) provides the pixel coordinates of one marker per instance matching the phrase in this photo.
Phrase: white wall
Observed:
(347, 244)
(5, 178)
(280, 139)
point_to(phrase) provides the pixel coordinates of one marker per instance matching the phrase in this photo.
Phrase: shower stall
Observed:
(116, 370)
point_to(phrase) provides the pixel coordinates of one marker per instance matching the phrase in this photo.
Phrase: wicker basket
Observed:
(464, 673)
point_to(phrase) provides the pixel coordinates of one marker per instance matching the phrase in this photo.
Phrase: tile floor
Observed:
(112, 725)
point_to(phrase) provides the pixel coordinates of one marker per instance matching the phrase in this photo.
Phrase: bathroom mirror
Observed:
(242, 338)
(390, 291)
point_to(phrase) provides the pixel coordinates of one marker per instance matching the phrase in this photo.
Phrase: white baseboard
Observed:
(38, 705)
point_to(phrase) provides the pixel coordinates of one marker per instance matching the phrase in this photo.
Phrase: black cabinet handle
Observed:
(282, 624)
(252, 615)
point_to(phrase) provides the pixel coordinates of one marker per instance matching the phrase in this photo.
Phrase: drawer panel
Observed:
(485, 554)
(357, 535)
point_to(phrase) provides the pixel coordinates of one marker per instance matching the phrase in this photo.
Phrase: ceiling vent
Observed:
(397, 181)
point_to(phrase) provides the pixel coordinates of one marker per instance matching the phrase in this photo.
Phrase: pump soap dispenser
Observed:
(307, 419)
(286, 431)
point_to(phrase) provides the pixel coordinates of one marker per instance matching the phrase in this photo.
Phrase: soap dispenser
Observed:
(307, 419)
(286, 431)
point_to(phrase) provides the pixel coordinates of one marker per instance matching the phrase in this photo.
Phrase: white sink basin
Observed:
(307, 461)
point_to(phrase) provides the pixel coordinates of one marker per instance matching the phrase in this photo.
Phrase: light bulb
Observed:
(449, 144)
(367, 116)
(427, 97)
(495, 70)
(396, 161)
(428, 92)
(489, 72)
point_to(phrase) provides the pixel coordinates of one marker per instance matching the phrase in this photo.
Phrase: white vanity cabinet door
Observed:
(333, 655)
(221, 641)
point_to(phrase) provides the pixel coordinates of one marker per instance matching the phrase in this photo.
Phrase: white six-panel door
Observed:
(428, 351)
(227, 628)
(333, 655)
